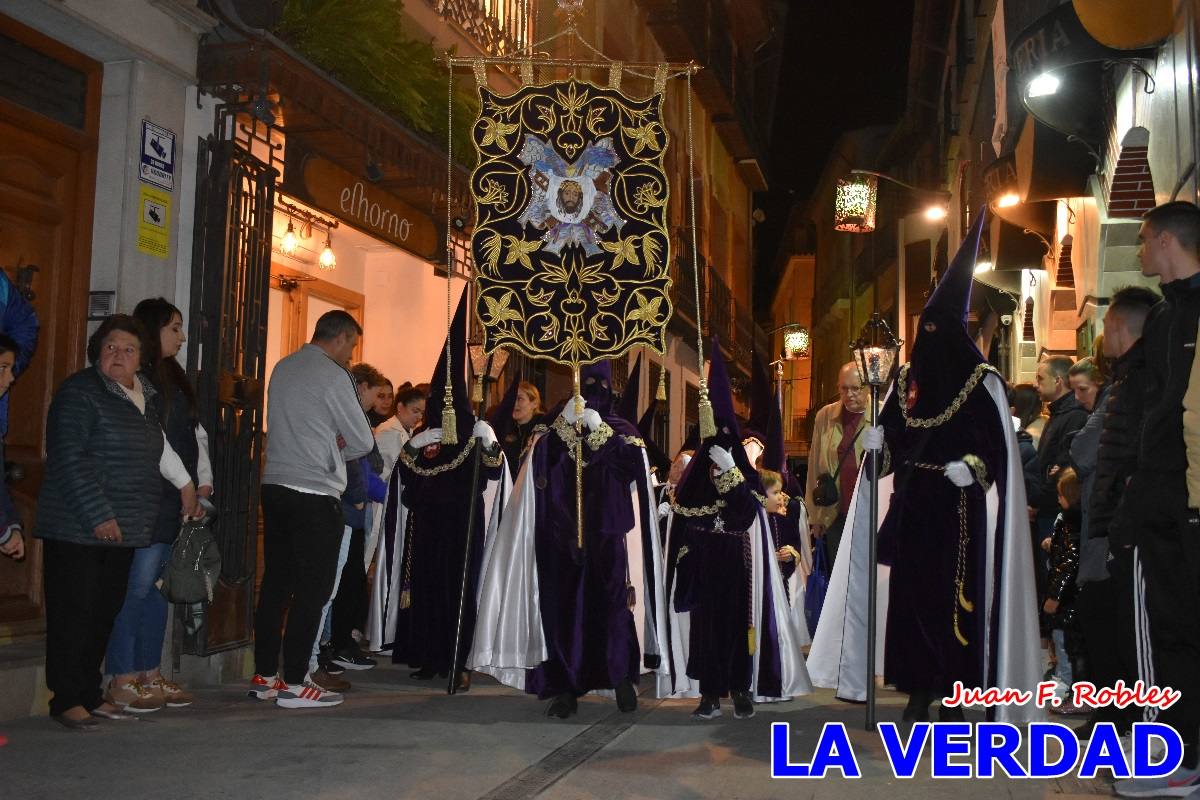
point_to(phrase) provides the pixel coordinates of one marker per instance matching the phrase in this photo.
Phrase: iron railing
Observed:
(499, 27)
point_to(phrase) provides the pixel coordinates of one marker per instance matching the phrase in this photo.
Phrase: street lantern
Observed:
(854, 206)
(796, 343)
(876, 353)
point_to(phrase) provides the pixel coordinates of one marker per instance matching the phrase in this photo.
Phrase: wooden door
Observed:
(47, 186)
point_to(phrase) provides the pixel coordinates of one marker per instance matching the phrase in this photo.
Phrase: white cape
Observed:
(509, 637)
(838, 656)
(789, 622)
(384, 609)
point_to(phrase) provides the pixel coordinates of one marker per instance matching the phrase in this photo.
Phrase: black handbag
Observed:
(825, 493)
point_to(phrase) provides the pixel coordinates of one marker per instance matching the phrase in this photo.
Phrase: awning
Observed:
(1059, 68)
(325, 117)
(1048, 165)
(1127, 25)
(1009, 250)
(1000, 182)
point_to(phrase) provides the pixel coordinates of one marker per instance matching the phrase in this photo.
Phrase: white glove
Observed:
(484, 433)
(664, 509)
(591, 418)
(568, 412)
(873, 438)
(721, 457)
(958, 473)
(426, 438)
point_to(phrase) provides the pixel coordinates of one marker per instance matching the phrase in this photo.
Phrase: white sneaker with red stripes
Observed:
(307, 695)
(265, 688)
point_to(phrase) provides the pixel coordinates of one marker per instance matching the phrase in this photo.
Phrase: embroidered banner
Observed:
(570, 240)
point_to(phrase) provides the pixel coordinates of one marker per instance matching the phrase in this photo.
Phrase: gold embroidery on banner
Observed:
(571, 241)
(955, 405)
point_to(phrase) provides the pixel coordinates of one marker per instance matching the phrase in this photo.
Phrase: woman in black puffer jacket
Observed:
(105, 453)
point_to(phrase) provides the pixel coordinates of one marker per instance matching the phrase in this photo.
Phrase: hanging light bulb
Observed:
(289, 242)
(328, 260)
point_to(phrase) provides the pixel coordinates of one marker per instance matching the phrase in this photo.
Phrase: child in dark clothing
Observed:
(1059, 604)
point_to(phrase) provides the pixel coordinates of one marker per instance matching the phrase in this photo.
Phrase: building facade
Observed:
(229, 156)
(1064, 121)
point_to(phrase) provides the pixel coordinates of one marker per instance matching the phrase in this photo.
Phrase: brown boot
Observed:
(330, 683)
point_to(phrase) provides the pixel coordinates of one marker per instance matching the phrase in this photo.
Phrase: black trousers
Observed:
(85, 588)
(1169, 553)
(1105, 612)
(302, 534)
(351, 603)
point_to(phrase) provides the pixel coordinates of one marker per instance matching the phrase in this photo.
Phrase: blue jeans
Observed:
(136, 641)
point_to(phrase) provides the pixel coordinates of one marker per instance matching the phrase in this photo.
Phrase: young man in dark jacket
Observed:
(1154, 509)
(1106, 567)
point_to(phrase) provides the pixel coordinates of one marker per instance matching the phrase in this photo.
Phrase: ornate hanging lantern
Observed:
(796, 343)
(854, 206)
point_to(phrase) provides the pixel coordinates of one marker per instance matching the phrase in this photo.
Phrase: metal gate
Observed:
(231, 264)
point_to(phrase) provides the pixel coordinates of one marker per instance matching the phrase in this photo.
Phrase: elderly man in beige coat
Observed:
(837, 431)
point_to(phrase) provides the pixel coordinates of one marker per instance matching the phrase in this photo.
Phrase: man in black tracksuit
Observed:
(1154, 508)
(1105, 600)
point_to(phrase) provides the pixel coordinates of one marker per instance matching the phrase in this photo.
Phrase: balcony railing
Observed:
(499, 27)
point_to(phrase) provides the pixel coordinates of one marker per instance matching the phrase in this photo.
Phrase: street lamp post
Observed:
(797, 344)
(876, 353)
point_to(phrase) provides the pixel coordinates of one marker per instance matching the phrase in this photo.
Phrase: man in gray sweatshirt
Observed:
(316, 426)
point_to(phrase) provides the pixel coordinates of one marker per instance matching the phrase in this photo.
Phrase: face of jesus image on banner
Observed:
(570, 239)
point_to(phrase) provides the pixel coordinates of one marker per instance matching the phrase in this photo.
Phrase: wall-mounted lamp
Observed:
(327, 259)
(1043, 85)
(1008, 200)
(289, 242)
(854, 206)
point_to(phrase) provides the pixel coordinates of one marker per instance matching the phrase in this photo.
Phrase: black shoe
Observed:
(352, 658)
(951, 714)
(627, 698)
(423, 674)
(743, 706)
(917, 709)
(709, 708)
(85, 725)
(330, 666)
(562, 706)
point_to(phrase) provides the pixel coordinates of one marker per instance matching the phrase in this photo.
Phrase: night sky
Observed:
(844, 66)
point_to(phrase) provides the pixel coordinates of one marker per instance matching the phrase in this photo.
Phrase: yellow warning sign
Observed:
(154, 237)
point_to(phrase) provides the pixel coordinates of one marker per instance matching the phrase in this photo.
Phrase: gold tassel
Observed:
(405, 599)
(449, 420)
(661, 394)
(751, 640)
(477, 392)
(526, 68)
(958, 635)
(630, 595)
(480, 70)
(967, 605)
(708, 425)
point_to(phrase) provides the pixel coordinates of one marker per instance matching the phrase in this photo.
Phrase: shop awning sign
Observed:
(157, 166)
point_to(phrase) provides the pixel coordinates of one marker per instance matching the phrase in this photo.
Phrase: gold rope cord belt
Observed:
(960, 568)
(932, 422)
